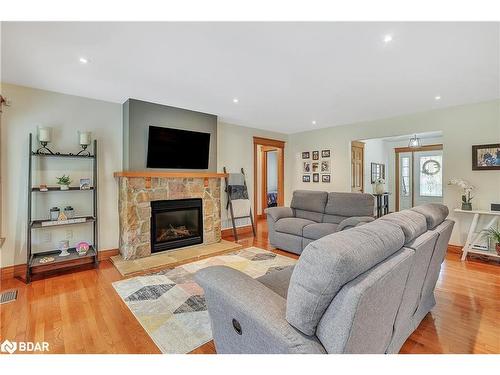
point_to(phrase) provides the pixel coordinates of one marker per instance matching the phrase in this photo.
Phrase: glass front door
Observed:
(420, 178)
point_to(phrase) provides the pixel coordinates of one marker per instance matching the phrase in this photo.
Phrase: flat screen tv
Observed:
(177, 149)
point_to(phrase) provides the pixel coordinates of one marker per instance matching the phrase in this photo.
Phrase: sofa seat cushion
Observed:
(318, 230)
(292, 225)
(278, 281)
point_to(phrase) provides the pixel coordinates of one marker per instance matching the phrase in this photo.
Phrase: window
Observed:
(431, 176)
(405, 176)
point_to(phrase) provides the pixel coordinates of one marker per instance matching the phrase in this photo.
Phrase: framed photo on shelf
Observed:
(486, 157)
(315, 177)
(325, 153)
(315, 155)
(306, 155)
(306, 178)
(325, 166)
(84, 183)
(306, 167)
(325, 178)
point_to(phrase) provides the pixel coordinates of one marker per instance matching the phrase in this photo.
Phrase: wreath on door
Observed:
(431, 167)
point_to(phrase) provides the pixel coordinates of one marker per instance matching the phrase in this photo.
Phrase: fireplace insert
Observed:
(176, 223)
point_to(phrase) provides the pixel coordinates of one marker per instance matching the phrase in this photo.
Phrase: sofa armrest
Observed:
(354, 221)
(248, 317)
(277, 213)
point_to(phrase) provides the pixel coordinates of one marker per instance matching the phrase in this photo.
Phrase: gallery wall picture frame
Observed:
(325, 166)
(315, 155)
(486, 157)
(306, 155)
(315, 177)
(306, 178)
(315, 167)
(306, 167)
(326, 178)
(325, 153)
(377, 171)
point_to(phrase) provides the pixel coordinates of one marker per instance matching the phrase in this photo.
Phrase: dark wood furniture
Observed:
(382, 204)
(73, 260)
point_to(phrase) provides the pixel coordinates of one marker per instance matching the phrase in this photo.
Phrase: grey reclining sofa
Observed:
(315, 214)
(362, 290)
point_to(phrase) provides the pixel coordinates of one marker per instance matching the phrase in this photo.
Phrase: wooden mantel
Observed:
(153, 174)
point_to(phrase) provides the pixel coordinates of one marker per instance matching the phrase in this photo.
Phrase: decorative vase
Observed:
(379, 188)
(64, 246)
(64, 187)
(497, 248)
(466, 206)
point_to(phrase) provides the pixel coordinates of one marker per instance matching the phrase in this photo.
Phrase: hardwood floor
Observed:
(81, 313)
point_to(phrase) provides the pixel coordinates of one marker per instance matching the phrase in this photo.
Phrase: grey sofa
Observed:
(362, 290)
(315, 214)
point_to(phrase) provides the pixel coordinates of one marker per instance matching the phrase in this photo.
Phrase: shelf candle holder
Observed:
(84, 143)
(44, 133)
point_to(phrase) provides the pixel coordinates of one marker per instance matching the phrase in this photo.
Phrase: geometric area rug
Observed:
(170, 305)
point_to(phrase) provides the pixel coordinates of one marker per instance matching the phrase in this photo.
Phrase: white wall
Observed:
(461, 126)
(235, 150)
(375, 152)
(66, 115)
(272, 171)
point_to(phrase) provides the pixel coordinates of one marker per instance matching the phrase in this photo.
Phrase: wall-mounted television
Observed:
(177, 149)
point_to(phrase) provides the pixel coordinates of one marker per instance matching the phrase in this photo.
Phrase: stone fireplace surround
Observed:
(138, 189)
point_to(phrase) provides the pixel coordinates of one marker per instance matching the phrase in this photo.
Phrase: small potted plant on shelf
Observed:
(64, 182)
(494, 235)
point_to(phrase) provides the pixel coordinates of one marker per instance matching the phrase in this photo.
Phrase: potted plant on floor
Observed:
(64, 182)
(494, 235)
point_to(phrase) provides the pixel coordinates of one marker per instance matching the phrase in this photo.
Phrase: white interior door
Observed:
(428, 174)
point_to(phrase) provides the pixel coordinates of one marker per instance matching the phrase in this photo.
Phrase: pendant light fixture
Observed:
(414, 142)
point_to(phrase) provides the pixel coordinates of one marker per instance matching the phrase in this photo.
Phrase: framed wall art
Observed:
(486, 157)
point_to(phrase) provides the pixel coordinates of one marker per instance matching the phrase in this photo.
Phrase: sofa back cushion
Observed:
(309, 204)
(350, 204)
(411, 222)
(434, 213)
(327, 264)
(360, 318)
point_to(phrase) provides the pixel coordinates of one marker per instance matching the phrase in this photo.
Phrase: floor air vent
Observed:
(8, 296)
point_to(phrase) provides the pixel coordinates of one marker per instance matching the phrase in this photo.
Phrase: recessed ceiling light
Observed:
(235, 100)
(314, 122)
(438, 97)
(387, 38)
(83, 60)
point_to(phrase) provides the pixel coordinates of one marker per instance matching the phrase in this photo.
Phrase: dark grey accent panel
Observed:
(139, 115)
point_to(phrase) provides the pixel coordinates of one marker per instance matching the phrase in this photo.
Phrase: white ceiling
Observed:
(285, 75)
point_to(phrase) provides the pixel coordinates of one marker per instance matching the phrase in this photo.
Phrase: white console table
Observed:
(473, 235)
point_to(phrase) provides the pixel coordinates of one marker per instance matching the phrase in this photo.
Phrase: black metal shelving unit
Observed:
(72, 260)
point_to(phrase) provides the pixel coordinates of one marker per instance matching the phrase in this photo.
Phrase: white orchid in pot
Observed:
(466, 194)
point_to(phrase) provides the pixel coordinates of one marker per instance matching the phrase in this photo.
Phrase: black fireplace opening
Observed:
(176, 223)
